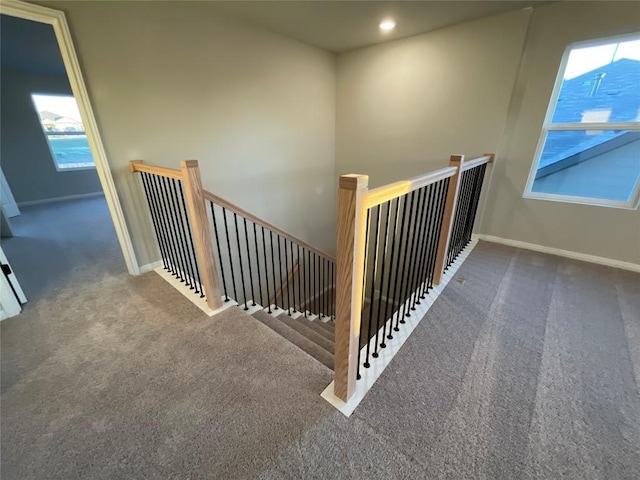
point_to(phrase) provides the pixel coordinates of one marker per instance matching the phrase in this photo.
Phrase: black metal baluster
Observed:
(154, 219)
(305, 297)
(302, 282)
(192, 252)
(309, 302)
(465, 212)
(432, 239)
(286, 264)
(215, 231)
(244, 291)
(392, 262)
(384, 258)
(374, 272)
(408, 255)
(300, 307)
(153, 188)
(233, 276)
(401, 259)
(273, 271)
(362, 300)
(316, 285)
(266, 271)
(255, 242)
(281, 278)
(439, 226)
(478, 192)
(189, 272)
(323, 288)
(167, 224)
(425, 240)
(173, 229)
(420, 224)
(246, 241)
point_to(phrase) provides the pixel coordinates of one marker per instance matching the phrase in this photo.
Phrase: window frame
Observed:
(47, 134)
(549, 126)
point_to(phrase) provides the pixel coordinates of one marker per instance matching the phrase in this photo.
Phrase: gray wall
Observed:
(403, 107)
(606, 232)
(174, 80)
(24, 151)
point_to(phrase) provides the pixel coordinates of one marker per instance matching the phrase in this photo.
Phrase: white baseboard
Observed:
(61, 199)
(149, 267)
(609, 262)
(377, 365)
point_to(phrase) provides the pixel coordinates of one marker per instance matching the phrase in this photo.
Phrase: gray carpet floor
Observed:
(527, 366)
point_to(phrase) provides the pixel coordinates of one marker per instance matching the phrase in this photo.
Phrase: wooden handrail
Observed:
(377, 196)
(269, 226)
(476, 162)
(138, 166)
(278, 294)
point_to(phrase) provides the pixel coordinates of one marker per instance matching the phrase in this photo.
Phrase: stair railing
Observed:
(223, 253)
(287, 272)
(394, 243)
(177, 211)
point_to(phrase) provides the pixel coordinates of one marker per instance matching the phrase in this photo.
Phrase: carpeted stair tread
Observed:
(301, 325)
(299, 340)
(316, 325)
(328, 326)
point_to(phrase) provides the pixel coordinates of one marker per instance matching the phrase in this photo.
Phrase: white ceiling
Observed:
(342, 25)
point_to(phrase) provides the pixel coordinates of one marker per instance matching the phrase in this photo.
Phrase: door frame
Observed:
(57, 19)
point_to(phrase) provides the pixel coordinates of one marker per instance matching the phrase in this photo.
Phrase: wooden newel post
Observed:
(447, 220)
(349, 271)
(201, 234)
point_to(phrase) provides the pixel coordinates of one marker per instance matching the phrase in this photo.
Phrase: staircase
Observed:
(394, 244)
(312, 335)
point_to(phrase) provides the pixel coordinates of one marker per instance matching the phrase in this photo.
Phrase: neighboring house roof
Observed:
(610, 92)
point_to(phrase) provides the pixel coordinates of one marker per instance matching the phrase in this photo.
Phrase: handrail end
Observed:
(492, 157)
(354, 181)
(189, 163)
(133, 163)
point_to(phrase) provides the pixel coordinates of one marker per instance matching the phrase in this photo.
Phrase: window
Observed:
(589, 150)
(61, 124)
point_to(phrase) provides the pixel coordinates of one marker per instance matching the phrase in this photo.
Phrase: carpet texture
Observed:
(526, 367)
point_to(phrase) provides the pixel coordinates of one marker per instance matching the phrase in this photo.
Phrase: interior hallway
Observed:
(527, 366)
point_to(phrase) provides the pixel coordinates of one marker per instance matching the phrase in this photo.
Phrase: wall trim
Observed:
(58, 21)
(61, 199)
(609, 262)
(150, 267)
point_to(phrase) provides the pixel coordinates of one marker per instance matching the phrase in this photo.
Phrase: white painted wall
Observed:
(174, 80)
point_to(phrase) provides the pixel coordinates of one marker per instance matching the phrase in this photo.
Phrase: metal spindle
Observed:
(215, 231)
(273, 271)
(422, 203)
(305, 297)
(280, 266)
(426, 239)
(266, 271)
(286, 263)
(373, 285)
(246, 241)
(244, 291)
(255, 242)
(167, 218)
(154, 219)
(439, 226)
(433, 239)
(173, 231)
(366, 363)
(408, 255)
(384, 258)
(189, 273)
(401, 258)
(392, 262)
(233, 276)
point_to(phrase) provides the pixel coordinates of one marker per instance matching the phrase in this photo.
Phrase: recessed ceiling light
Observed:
(387, 25)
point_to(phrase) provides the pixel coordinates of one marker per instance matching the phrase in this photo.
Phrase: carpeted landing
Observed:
(526, 367)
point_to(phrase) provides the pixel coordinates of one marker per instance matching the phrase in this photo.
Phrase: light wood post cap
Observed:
(456, 159)
(189, 163)
(353, 181)
(133, 163)
(492, 155)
